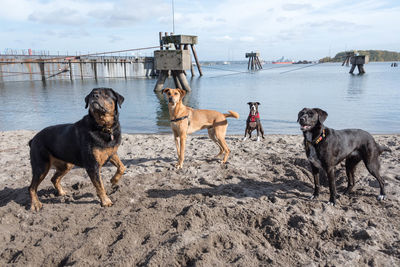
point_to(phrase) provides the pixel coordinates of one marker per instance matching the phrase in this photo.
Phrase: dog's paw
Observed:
(313, 197)
(115, 179)
(244, 139)
(258, 139)
(106, 202)
(381, 197)
(330, 203)
(61, 193)
(178, 166)
(36, 206)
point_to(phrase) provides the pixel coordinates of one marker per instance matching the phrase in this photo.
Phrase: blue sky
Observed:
(227, 29)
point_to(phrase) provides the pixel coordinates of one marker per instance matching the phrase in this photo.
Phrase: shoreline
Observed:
(251, 211)
(205, 133)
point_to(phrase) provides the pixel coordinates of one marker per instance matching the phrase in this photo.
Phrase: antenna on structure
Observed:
(173, 17)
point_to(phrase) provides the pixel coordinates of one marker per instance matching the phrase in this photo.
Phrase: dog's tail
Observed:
(383, 149)
(231, 114)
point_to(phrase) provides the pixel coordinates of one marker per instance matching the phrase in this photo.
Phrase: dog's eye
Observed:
(176, 93)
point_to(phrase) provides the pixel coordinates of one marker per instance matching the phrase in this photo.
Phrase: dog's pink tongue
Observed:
(304, 127)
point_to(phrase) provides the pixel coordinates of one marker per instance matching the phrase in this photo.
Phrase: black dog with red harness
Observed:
(253, 122)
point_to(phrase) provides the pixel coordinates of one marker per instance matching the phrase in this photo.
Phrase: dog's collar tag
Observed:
(321, 137)
(108, 131)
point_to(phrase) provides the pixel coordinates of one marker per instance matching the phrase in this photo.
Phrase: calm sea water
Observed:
(370, 101)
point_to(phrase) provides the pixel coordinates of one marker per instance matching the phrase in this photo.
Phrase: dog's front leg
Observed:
(182, 140)
(262, 131)
(120, 168)
(245, 133)
(315, 173)
(176, 138)
(94, 174)
(332, 186)
(258, 131)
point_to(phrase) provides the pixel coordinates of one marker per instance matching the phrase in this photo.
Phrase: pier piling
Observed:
(358, 61)
(254, 62)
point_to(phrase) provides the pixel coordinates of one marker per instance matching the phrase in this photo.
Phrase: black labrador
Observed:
(326, 147)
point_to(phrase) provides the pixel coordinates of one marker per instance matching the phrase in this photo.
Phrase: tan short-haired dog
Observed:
(186, 120)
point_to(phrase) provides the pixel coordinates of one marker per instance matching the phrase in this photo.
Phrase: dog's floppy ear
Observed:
(248, 103)
(120, 98)
(300, 114)
(322, 114)
(258, 103)
(182, 92)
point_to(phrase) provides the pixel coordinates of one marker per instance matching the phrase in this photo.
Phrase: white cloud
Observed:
(224, 38)
(64, 16)
(247, 39)
(293, 6)
(277, 28)
(72, 12)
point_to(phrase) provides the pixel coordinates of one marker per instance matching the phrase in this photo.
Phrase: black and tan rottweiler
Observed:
(88, 143)
(326, 147)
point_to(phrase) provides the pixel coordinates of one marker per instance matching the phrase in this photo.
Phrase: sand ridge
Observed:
(252, 211)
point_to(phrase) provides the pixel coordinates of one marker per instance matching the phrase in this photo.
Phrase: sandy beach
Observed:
(252, 211)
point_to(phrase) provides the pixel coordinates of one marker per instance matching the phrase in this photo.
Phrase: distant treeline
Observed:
(374, 55)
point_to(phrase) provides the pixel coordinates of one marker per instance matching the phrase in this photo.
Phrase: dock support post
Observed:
(161, 80)
(161, 42)
(41, 66)
(94, 62)
(360, 68)
(176, 79)
(183, 81)
(197, 61)
(192, 70)
(125, 68)
(81, 68)
(259, 63)
(70, 70)
(353, 66)
(186, 47)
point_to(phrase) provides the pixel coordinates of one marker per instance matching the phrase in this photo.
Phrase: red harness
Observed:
(253, 118)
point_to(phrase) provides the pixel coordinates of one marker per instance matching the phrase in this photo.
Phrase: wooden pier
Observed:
(254, 61)
(33, 68)
(356, 60)
(174, 58)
